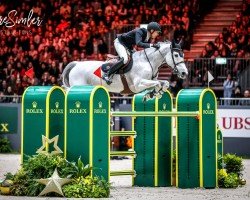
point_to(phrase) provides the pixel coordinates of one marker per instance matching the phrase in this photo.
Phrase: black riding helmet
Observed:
(154, 26)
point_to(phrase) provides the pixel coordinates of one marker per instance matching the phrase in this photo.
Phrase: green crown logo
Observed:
(57, 105)
(78, 104)
(34, 104)
(100, 104)
(208, 106)
(164, 106)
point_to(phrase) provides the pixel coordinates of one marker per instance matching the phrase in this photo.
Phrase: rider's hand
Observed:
(157, 46)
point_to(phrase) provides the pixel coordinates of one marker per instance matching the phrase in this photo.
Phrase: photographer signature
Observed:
(11, 19)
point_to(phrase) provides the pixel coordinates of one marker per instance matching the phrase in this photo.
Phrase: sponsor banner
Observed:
(234, 122)
(8, 120)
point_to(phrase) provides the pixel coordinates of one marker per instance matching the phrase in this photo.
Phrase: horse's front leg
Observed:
(164, 85)
(144, 84)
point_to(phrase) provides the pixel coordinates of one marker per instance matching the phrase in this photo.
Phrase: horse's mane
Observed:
(152, 49)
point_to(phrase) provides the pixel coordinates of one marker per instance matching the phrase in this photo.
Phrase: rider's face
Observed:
(155, 34)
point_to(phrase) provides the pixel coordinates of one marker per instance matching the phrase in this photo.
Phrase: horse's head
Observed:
(175, 59)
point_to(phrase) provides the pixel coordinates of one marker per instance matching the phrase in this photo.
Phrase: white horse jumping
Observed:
(142, 76)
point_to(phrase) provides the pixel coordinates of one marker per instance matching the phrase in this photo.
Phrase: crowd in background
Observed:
(233, 41)
(77, 30)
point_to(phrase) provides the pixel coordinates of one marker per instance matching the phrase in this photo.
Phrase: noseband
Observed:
(175, 70)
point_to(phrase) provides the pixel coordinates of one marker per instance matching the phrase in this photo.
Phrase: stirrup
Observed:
(107, 79)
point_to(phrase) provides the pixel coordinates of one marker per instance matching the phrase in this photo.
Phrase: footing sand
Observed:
(122, 185)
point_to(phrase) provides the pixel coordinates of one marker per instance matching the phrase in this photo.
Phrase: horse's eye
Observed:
(176, 55)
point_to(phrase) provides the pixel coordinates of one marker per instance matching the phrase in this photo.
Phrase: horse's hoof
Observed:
(145, 98)
(158, 95)
(165, 87)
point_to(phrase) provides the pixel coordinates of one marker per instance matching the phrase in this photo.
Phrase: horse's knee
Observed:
(165, 86)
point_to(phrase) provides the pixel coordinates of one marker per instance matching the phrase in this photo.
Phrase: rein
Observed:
(153, 76)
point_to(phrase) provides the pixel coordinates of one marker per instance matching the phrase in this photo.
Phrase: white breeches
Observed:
(121, 50)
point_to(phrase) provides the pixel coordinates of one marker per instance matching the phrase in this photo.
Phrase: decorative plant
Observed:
(43, 166)
(233, 164)
(231, 175)
(87, 187)
(5, 145)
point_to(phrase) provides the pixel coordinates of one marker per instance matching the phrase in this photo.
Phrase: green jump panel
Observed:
(87, 127)
(219, 147)
(196, 163)
(42, 114)
(153, 144)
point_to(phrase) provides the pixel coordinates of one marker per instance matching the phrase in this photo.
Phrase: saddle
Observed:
(110, 61)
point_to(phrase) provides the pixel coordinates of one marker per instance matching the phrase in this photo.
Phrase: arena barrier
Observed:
(219, 147)
(87, 127)
(196, 146)
(152, 163)
(42, 114)
(87, 134)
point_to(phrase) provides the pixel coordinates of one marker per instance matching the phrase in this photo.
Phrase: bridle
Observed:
(175, 70)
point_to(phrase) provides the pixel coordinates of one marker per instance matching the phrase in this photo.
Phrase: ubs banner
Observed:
(234, 122)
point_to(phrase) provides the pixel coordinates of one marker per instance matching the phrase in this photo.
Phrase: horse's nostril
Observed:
(183, 73)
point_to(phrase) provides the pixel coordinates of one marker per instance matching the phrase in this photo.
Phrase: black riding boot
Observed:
(107, 76)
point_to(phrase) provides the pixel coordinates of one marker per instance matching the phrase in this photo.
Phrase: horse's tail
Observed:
(65, 74)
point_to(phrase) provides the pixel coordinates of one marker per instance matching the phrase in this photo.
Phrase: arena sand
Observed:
(122, 185)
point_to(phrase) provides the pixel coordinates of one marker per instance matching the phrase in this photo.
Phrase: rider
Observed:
(124, 45)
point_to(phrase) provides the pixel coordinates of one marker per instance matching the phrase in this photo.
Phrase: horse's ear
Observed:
(180, 43)
(173, 43)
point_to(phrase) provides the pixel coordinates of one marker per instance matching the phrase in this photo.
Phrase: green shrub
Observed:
(5, 145)
(222, 175)
(231, 181)
(87, 188)
(230, 176)
(233, 164)
(43, 166)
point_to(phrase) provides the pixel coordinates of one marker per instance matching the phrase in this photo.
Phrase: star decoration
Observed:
(53, 184)
(45, 140)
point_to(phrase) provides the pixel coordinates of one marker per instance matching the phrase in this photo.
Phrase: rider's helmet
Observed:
(154, 26)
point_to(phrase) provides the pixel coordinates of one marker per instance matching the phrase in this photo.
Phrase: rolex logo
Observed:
(78, 104)
(34, 104)
(57, 105)
(100, 104)
(208, 106)
(164, 106)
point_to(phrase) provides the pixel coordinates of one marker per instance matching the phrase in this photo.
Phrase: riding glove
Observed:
(157, 46)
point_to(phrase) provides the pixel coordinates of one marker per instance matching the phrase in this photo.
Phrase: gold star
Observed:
(45, 140)
(53, 184)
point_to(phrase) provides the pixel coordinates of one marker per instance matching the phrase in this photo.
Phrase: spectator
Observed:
(245, 102)
(228, 89)
(237, 94)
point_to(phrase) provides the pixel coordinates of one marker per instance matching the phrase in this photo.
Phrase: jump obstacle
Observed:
(81, 118)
